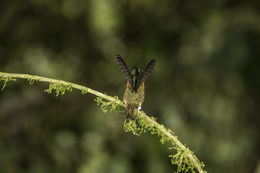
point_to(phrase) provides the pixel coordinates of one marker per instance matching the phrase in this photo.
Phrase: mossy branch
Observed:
(31, 78)
(184, 158)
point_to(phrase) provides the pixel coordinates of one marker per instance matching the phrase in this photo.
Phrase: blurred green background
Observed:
(205, 86)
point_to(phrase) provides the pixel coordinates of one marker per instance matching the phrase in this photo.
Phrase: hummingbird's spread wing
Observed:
(123, 67)
(147, 72)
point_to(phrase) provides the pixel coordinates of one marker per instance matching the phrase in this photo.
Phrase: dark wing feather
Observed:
(123, 67)
(147, 71)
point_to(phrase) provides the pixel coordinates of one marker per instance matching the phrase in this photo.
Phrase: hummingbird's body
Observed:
(133, 99)
(134, 93)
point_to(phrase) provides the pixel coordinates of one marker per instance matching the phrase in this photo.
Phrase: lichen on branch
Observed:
(6, 79)
(60, 89)
(106, 105)
(184, 159)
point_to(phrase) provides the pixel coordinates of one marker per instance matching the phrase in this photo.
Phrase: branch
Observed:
(184, 158)
(32, 78)
(175, 142)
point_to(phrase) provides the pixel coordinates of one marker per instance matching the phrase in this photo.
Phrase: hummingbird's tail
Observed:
(131, 112)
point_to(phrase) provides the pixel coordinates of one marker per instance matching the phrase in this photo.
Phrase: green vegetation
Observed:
(184, 158)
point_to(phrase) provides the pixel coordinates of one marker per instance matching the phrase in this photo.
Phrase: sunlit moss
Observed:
(111, 106)
(60, 89)
(184, 159)
(5, 80)
(84, 91)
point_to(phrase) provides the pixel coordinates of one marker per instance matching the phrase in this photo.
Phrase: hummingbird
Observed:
(134, 93)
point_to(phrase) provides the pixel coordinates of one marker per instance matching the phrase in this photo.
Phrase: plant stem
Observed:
(174, 140)
(160, 127)
(55, 81)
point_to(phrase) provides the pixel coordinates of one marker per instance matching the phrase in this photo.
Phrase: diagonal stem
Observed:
(160, 127)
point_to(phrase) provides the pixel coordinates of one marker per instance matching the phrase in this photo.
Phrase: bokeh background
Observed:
(205, 86)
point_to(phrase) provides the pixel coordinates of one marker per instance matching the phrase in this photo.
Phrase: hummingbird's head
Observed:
(135, 72)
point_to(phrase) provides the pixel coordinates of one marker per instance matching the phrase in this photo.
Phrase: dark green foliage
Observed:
(205, 85)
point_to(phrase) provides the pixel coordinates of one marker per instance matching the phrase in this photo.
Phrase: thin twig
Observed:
(55, 81)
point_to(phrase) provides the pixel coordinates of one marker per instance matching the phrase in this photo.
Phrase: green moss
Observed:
(60, 89)
(84, 91)
(183, 161)
(182, 157)
(5, 80)
(31, 81)
(105, 105)
(133, 127)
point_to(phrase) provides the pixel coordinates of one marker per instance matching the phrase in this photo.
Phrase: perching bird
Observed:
(134, 93)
